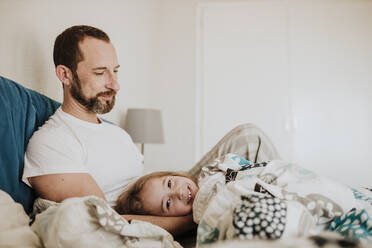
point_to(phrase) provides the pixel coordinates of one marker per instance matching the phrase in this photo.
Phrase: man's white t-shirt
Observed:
(66, 144)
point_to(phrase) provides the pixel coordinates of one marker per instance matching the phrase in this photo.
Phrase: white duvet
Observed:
(76, 222)
(91, 222)
(14, 228)
(241, 200)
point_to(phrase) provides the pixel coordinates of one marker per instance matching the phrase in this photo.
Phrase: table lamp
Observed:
(144, 126)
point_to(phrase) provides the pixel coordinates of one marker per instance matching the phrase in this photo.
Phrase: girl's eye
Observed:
(169, 184)
(99, 73)
(168, 203)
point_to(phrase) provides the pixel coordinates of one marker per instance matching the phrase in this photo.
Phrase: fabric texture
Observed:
(22, 112)
(66, 144)
(357, 223)
(260, 216)
(14, 228)
(246, 140)
(90, 222)
(322, 240)
(276, 199)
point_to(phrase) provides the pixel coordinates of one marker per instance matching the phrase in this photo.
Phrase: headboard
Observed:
(22, 111)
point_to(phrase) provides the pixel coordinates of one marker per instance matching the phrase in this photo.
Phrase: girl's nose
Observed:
(178, 193)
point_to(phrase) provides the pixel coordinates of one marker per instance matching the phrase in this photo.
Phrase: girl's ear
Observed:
(64, 74)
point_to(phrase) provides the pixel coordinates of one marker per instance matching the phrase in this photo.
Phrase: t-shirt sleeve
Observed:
(53, 153)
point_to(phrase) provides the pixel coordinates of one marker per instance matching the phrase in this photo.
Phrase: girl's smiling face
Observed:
(168, 195)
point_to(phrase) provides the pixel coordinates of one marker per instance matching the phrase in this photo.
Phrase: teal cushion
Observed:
(22, 111)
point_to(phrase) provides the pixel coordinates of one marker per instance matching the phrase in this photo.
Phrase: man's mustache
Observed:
(107, 93)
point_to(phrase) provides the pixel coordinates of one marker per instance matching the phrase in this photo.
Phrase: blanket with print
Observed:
(238, 199)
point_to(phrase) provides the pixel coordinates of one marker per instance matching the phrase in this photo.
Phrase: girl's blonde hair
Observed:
(130, 203)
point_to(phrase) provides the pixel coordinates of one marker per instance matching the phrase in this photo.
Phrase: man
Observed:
(75, 153)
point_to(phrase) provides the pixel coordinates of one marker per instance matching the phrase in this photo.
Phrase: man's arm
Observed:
(174, 225)
(57, 187)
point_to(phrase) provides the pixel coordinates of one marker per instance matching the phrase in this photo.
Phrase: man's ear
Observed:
(64, 74)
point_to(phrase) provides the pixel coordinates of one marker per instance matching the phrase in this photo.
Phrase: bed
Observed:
(88, 221)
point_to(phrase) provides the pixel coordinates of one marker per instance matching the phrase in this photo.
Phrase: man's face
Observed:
(168, 195)
(95, 83)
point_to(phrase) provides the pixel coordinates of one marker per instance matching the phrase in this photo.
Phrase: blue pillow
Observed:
(22, 111)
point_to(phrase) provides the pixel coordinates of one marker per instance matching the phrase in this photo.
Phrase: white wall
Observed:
(176, 78)
(155, 41)
(28, 30)
(302, 63)
(156, 44)
(176, 81)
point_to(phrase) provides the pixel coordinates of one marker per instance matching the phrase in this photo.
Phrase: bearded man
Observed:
(75, 153)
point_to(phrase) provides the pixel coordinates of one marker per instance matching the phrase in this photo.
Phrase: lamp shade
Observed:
(144, 125)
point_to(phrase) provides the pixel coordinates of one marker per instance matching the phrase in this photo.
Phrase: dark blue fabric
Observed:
(22, 111)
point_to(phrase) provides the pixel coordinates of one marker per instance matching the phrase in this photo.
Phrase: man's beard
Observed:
(93, 104)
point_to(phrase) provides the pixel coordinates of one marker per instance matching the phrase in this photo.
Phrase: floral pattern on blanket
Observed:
(362, 196)
(355, 225)
(228, 204)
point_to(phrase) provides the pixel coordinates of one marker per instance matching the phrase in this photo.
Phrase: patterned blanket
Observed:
(238, 199)
(322, 240)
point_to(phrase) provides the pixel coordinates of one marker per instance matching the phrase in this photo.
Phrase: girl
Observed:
(164, 193)
(236, 198)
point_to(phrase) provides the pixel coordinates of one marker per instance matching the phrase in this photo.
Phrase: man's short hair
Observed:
(66, 47)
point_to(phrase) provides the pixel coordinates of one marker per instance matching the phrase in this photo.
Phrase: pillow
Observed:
(14, 228)
(22, 111)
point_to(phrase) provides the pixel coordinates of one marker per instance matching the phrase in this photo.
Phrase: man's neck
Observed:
(77, 110)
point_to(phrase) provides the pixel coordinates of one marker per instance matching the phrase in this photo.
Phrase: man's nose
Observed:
(113, 83)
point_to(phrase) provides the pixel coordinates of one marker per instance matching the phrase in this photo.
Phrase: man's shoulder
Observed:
(53, 129)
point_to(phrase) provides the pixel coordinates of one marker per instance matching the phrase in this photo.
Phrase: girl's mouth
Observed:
(189, 194)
